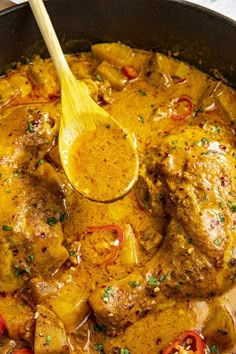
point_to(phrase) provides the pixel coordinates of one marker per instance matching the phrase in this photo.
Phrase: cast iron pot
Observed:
(199, 36)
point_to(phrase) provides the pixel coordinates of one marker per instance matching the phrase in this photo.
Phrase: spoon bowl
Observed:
(98, 155)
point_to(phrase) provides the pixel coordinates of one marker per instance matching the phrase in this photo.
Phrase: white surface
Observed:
(225, 7)
(18, 1)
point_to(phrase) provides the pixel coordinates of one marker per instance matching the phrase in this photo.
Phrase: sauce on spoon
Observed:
(102, 164)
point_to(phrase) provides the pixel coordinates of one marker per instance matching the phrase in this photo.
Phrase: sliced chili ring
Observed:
(188, 108)
(23, 351)
(113, 251)
(2, 326)
(189, 342)
(130, 72)
(192, 341)
(172, 348)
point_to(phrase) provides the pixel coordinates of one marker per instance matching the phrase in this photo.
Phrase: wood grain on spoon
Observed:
(84, 135)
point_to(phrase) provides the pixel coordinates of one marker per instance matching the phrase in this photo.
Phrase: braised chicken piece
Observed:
(31, 234)
(195, 170)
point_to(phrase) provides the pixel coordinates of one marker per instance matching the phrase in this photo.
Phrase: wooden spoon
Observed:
(98, 156)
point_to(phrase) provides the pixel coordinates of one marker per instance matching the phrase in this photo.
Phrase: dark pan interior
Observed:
(199, 36)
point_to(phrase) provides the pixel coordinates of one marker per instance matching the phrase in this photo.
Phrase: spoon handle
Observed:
(50, 37)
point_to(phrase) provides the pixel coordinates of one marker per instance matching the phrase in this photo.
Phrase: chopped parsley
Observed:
(163, 277)
(48, 339)
(30, 258)
(134, 283)
(218, 128)
(199, 110)
(72, 253)
(18, 271)
(124, 351)
(204, 141)
(30, 128)
(27, 269)
(7, 228)
(142, 93)
(98, 78)
(52, 220)
(221, 218)
(16, 174)
(214, 349)
(41, 162)
(141, 119)
(222, 331)
(62, 217)
(152, 281)
(98, 347)
(218, 241)
(108, 292)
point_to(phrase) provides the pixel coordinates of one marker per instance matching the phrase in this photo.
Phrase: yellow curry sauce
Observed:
(133, 275)
(114, 172)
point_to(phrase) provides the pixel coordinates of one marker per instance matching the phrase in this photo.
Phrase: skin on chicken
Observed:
(194, 260)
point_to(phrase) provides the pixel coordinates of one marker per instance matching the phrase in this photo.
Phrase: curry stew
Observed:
(151, 273)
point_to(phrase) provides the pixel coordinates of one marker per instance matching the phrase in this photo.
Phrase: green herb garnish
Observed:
(142, 93)
(30, 258)
(52, 220)
(141, 118)
(7, 228)
(152, 281)
(30, 128)
(218, 241)
(98, 347)
(134, 283)
(48, 339)
(108, 292)
(124, 351)
(222, 218)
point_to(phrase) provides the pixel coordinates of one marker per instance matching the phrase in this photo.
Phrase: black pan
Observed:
(199, 36)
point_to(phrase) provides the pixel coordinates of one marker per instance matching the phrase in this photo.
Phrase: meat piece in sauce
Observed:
(197, 176)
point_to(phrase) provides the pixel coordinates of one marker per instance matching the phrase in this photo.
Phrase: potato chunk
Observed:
(50, 335)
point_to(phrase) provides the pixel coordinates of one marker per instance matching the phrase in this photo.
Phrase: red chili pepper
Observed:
(188, 107)
(114, 250)
(23, 351)
(189, 341)
(130, 72)
(2, 326)
(172, 348)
